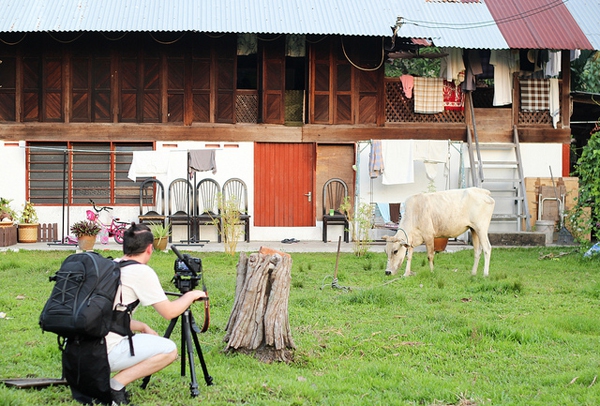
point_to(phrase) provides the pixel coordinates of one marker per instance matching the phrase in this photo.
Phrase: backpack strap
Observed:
(122, 318)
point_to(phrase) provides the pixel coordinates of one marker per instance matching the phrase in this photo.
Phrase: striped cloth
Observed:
(535, 94)
(429, 95)
(376, 159)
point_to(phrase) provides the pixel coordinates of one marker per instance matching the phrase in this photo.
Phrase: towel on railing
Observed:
(534, 94)
(429, 95)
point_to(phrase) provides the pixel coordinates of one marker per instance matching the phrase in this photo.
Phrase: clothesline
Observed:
(103, 151)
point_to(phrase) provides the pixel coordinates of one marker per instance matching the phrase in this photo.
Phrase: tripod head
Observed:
(188, 271)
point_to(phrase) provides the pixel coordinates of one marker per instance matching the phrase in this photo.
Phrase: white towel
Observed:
(148, 164)
(554, 101)
(431, 153)
(398, 162)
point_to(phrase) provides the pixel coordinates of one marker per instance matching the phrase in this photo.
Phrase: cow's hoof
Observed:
(406, 275)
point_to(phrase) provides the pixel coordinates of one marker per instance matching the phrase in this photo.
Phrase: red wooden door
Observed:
(284, 194)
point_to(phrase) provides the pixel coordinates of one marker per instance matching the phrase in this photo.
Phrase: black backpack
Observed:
(80, 309)
(81, 302)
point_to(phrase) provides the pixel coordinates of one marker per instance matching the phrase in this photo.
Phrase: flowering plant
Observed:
(85, 227)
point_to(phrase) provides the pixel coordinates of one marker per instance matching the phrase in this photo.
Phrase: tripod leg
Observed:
(207, 378)
(167, 335)
(187, 338)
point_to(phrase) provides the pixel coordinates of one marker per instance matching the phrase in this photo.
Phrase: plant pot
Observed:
(86, 242)
(160, 244)
(27, 232)
(439, 244)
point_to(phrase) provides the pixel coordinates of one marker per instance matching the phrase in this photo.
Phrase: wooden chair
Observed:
(334, 192)
(180, 204)
(235, 190)
(152, 202)
(207, 211)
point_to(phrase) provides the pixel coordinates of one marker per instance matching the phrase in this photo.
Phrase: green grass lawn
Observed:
(527, 335)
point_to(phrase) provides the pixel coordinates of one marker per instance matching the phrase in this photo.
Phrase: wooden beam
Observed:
(260, 133)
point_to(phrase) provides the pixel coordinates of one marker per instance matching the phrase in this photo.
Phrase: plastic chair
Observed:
(180, 204)
(235, 190)
(152, 202)
(335, 192)
(206, 208)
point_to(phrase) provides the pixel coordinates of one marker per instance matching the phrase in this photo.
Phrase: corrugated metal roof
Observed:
(369, 18)
(464, 24)
(450, 24)
(538, 24)
(587, 15)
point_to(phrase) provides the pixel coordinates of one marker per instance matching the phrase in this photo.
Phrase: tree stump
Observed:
(259, 322)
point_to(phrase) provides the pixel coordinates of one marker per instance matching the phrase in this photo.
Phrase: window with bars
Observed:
(78, 172)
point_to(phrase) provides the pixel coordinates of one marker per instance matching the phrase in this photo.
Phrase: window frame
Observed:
(74, 172)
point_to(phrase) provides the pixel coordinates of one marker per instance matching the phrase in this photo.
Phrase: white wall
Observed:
(237, 160)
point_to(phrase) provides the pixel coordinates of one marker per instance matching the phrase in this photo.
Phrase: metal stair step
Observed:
(506, 217)
(497, 146)
(501, 180)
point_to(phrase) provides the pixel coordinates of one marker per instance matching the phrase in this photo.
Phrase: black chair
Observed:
(152, 202)
(180, 205)
(207, 211)
(235, 190)
(335, 191)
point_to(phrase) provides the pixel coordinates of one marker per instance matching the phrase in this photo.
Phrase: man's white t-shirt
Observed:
(138, 281)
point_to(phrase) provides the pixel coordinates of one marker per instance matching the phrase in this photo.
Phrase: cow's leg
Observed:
(487, 252)
(430, 253)
(409, 253)
(476, 251)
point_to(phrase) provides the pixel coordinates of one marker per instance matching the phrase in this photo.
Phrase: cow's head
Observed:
(395, 248)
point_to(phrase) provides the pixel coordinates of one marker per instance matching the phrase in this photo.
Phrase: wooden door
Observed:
(283, 180)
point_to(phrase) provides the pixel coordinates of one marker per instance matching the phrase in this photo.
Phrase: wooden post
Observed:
(259, 322)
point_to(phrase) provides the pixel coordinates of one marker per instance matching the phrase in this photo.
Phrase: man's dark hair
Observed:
(136, 239)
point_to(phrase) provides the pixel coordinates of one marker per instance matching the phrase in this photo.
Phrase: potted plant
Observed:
(161, 235)
(86, 232)
(7, 214)
(28, 224)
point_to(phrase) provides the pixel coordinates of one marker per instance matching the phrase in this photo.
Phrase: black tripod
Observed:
(189, 331)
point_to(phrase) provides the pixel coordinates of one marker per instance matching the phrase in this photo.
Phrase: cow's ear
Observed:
(385, 237)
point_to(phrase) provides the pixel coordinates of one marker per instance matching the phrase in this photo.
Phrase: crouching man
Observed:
(139, 282)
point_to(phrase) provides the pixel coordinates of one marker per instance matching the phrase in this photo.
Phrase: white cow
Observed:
(442, 214)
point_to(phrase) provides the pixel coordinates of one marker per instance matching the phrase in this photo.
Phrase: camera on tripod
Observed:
(188, 271)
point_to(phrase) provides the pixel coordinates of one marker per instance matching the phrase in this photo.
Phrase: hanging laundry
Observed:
(429, 95)
(506, 63)
(398, 161)
(431, 153)
(535, 94)
(452, 66)
(376, 167)
(408, 82)
(454, 98)
(554, 101)
(202, 160)
(473, 68)
(146, 164)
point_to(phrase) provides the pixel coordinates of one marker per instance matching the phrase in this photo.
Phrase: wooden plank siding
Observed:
(138, 89)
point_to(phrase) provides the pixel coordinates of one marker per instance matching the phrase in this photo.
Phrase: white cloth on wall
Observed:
(431, 153)
(398, 162)
(505, 64)
(148, 164)
(554, 101)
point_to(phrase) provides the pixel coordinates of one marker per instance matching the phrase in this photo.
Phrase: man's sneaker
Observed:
(120, 397)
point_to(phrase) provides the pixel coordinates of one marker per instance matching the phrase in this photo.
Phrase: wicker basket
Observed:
(28, 233)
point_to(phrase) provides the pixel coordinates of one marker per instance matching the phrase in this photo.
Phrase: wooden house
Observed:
(283, 92)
